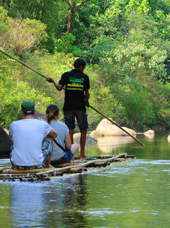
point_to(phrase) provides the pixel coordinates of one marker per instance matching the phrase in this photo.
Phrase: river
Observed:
(130, 195)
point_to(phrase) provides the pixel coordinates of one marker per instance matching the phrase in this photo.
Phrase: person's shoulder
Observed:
(17, 122)
(67, 73)
(85, 75)
(41, 122)
(14, 123)
(58, 123)
(81, 74)
(62, 124)
(37, 120)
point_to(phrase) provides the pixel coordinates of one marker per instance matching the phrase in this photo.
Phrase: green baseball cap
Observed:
(28, 107)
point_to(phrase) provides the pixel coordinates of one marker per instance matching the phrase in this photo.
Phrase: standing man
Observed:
(77, 87)
(31, 149)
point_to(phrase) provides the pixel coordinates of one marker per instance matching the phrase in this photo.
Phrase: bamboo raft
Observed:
(96, 163)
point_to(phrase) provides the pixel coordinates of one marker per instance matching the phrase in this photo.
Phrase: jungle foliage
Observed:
(126, 44)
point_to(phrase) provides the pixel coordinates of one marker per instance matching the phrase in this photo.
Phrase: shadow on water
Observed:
(131, 195)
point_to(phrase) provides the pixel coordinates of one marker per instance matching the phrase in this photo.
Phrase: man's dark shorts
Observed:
(81, 117)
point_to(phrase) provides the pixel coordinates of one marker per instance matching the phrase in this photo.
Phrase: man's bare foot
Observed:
(83, 157)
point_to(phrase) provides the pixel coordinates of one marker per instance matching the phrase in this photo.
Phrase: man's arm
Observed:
(59, 87)
(52, 134)
(86, 97)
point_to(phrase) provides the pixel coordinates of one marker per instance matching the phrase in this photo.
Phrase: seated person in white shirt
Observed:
(32, 140)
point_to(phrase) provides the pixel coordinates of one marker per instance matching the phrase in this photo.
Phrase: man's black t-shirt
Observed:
(75, 83)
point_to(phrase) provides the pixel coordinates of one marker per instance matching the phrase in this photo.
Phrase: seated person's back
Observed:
(28, 135)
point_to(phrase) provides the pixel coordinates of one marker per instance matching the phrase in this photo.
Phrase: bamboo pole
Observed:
(81, 165)
(116, 125)
(24, 64)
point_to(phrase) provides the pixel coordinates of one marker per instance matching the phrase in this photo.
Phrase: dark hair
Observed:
(52, 112)
(79, 62)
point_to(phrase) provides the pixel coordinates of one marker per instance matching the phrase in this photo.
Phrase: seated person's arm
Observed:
(52, 134)
(68, 142)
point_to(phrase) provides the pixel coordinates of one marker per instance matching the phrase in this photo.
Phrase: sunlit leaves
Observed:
(25, 35)
(14, 91)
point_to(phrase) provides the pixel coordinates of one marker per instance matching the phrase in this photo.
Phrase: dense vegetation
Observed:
(126, 44)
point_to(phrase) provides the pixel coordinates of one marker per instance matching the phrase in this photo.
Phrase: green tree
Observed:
(73, 6)
(13, 91)
(51, 13)
(25, 35)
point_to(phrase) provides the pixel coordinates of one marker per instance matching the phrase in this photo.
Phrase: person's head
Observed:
(52, 112)
(80, 64)
(28, 108)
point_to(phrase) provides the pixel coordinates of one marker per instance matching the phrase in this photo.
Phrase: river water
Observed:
(136, 194)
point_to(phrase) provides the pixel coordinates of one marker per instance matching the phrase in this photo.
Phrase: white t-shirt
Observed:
(27, 137)
(62, 131)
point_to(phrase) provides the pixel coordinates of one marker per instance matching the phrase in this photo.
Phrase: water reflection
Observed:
(149, 138)
(27, 204)
(48, 204)
(109, 144)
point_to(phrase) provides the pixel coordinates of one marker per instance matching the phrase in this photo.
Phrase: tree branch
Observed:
(81, 3)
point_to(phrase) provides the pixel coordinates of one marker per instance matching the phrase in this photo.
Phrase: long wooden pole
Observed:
(89, 106)
(23, 64)
(116, 125)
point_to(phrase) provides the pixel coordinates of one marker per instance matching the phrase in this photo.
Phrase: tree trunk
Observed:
(73, 7)
(71, 17)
